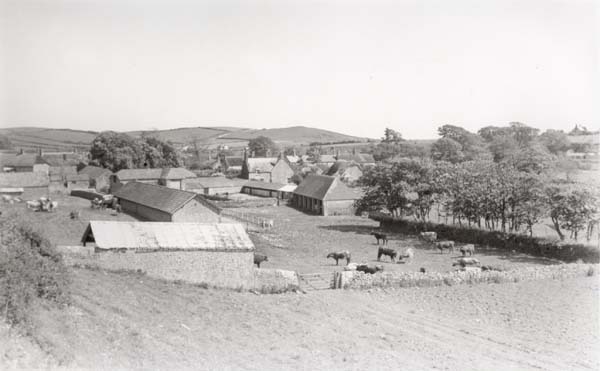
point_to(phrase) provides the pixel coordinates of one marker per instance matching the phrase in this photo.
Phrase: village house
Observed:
(169, 177)
(264, 189)
(232, 164)
(215, 185)
(23, 163)
(218, 254)
(348, 172)
(157, 203)
(267, 169)
(325, 195)
(28, 185)
(99, 177)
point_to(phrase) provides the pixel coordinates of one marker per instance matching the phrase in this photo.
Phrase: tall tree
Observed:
(391, 136)
(447, 149)
(262, 145)
(555, 140)
(522, 133)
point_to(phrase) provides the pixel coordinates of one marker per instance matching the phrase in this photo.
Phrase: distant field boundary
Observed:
(507, 241)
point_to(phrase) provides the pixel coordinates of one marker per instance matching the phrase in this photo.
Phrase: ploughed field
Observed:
(301, 242)
(129, 321)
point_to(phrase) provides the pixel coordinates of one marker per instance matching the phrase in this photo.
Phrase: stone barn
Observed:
(267, 169)
(215, 185)
(169, 177)
(23, 163)
(99, 177)
(325, 195)
(32, 185)
(161, 204)
(216, 254)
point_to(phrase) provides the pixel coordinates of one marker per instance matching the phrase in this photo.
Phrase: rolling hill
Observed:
(68, 139)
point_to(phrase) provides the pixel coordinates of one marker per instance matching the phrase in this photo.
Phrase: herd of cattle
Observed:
(406, 256)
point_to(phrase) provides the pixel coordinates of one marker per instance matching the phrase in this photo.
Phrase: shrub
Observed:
(30, 268)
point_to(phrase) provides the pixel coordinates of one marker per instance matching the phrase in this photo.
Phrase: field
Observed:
(130, 321)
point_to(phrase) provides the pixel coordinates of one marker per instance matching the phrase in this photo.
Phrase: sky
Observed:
(354, 67)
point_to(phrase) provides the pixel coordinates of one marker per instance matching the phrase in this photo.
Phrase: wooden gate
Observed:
(316, 281)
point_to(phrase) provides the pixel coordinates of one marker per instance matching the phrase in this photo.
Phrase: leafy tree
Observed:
(522, 133)
(472, 147)
(262, 145)
(447, 149)
(159, 154)
(572, 207)
(314, 153)
(502, 146)
(489, 133)
(391, 136)
(555, 140)
(534, 159)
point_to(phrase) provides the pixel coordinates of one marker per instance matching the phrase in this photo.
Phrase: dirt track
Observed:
(132, 322)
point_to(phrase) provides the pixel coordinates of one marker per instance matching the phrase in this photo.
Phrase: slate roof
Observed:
(168, 236)
(325, 188)
(94, 172)
(21, 160)
(25, 180)
(154, 196)
(261, 164)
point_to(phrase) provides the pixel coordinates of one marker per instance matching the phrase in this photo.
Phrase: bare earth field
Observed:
(124, 321)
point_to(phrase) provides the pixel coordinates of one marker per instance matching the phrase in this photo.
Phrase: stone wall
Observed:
(275, 280)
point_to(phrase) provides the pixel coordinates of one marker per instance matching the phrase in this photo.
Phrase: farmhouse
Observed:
(28, 185)
(325, 195)
(169, 177)
(264, 189)
(267, 169)
(215, 254)
(348, 172)
(215, 185)
(99, 177)
(23, 163)
(161, 204)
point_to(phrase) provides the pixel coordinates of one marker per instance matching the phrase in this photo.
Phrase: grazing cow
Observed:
(371, 270)
(445, 245)
(340, 255)
(408, 255)
(259, 259)
(469, 248)
(387, 252)
(430, 237)
(36, 205)
(463, 262)
(380, 236)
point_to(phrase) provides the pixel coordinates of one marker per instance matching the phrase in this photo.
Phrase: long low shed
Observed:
(264, 189)
(218, 254)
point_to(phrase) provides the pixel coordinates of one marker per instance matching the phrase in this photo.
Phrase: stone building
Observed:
(267, 169)
(28, 185)
(325, 195)
(264, 189)
(158, 203)
(218, 254)
(348, 172)
(169, 177)
(99, 177)
(215, 185)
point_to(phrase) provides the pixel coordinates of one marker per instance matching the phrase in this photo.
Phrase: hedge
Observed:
(567, 252)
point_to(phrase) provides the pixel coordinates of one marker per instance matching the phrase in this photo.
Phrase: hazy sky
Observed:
(348, 66)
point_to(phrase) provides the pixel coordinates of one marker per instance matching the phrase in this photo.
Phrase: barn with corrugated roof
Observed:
(325, 195)
(219, 254)
(161, 204)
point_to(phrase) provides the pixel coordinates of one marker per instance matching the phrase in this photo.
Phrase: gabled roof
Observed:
(340, 167)
(264, 185)
(261, 164)
(326, 188)
(171, 173)
(168, 236)
(154, 196)
(139, 174)
(359, 158)
(37, 179)
(233, 161)
(21, 160)
(94, 172)
(62, 158)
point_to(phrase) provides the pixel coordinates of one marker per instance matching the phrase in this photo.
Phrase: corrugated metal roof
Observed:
(168, 236)
(328, 188)
(94, 172)
(37, 179)
(154, 196)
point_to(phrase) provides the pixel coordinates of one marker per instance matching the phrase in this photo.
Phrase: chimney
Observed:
(245, 154)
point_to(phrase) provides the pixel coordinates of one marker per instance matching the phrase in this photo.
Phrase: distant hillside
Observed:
(207, 137)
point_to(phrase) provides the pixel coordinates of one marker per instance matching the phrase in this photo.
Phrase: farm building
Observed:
(348, 172)
(264, 189)
(232, 163)
(215, 185)
(216, 254)
(161, 204)
(99, 177)
(325, 195)
(32, 184)
(267, 169)
(363, 159)
(23, 163)
(170, 177)
(61, 159)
